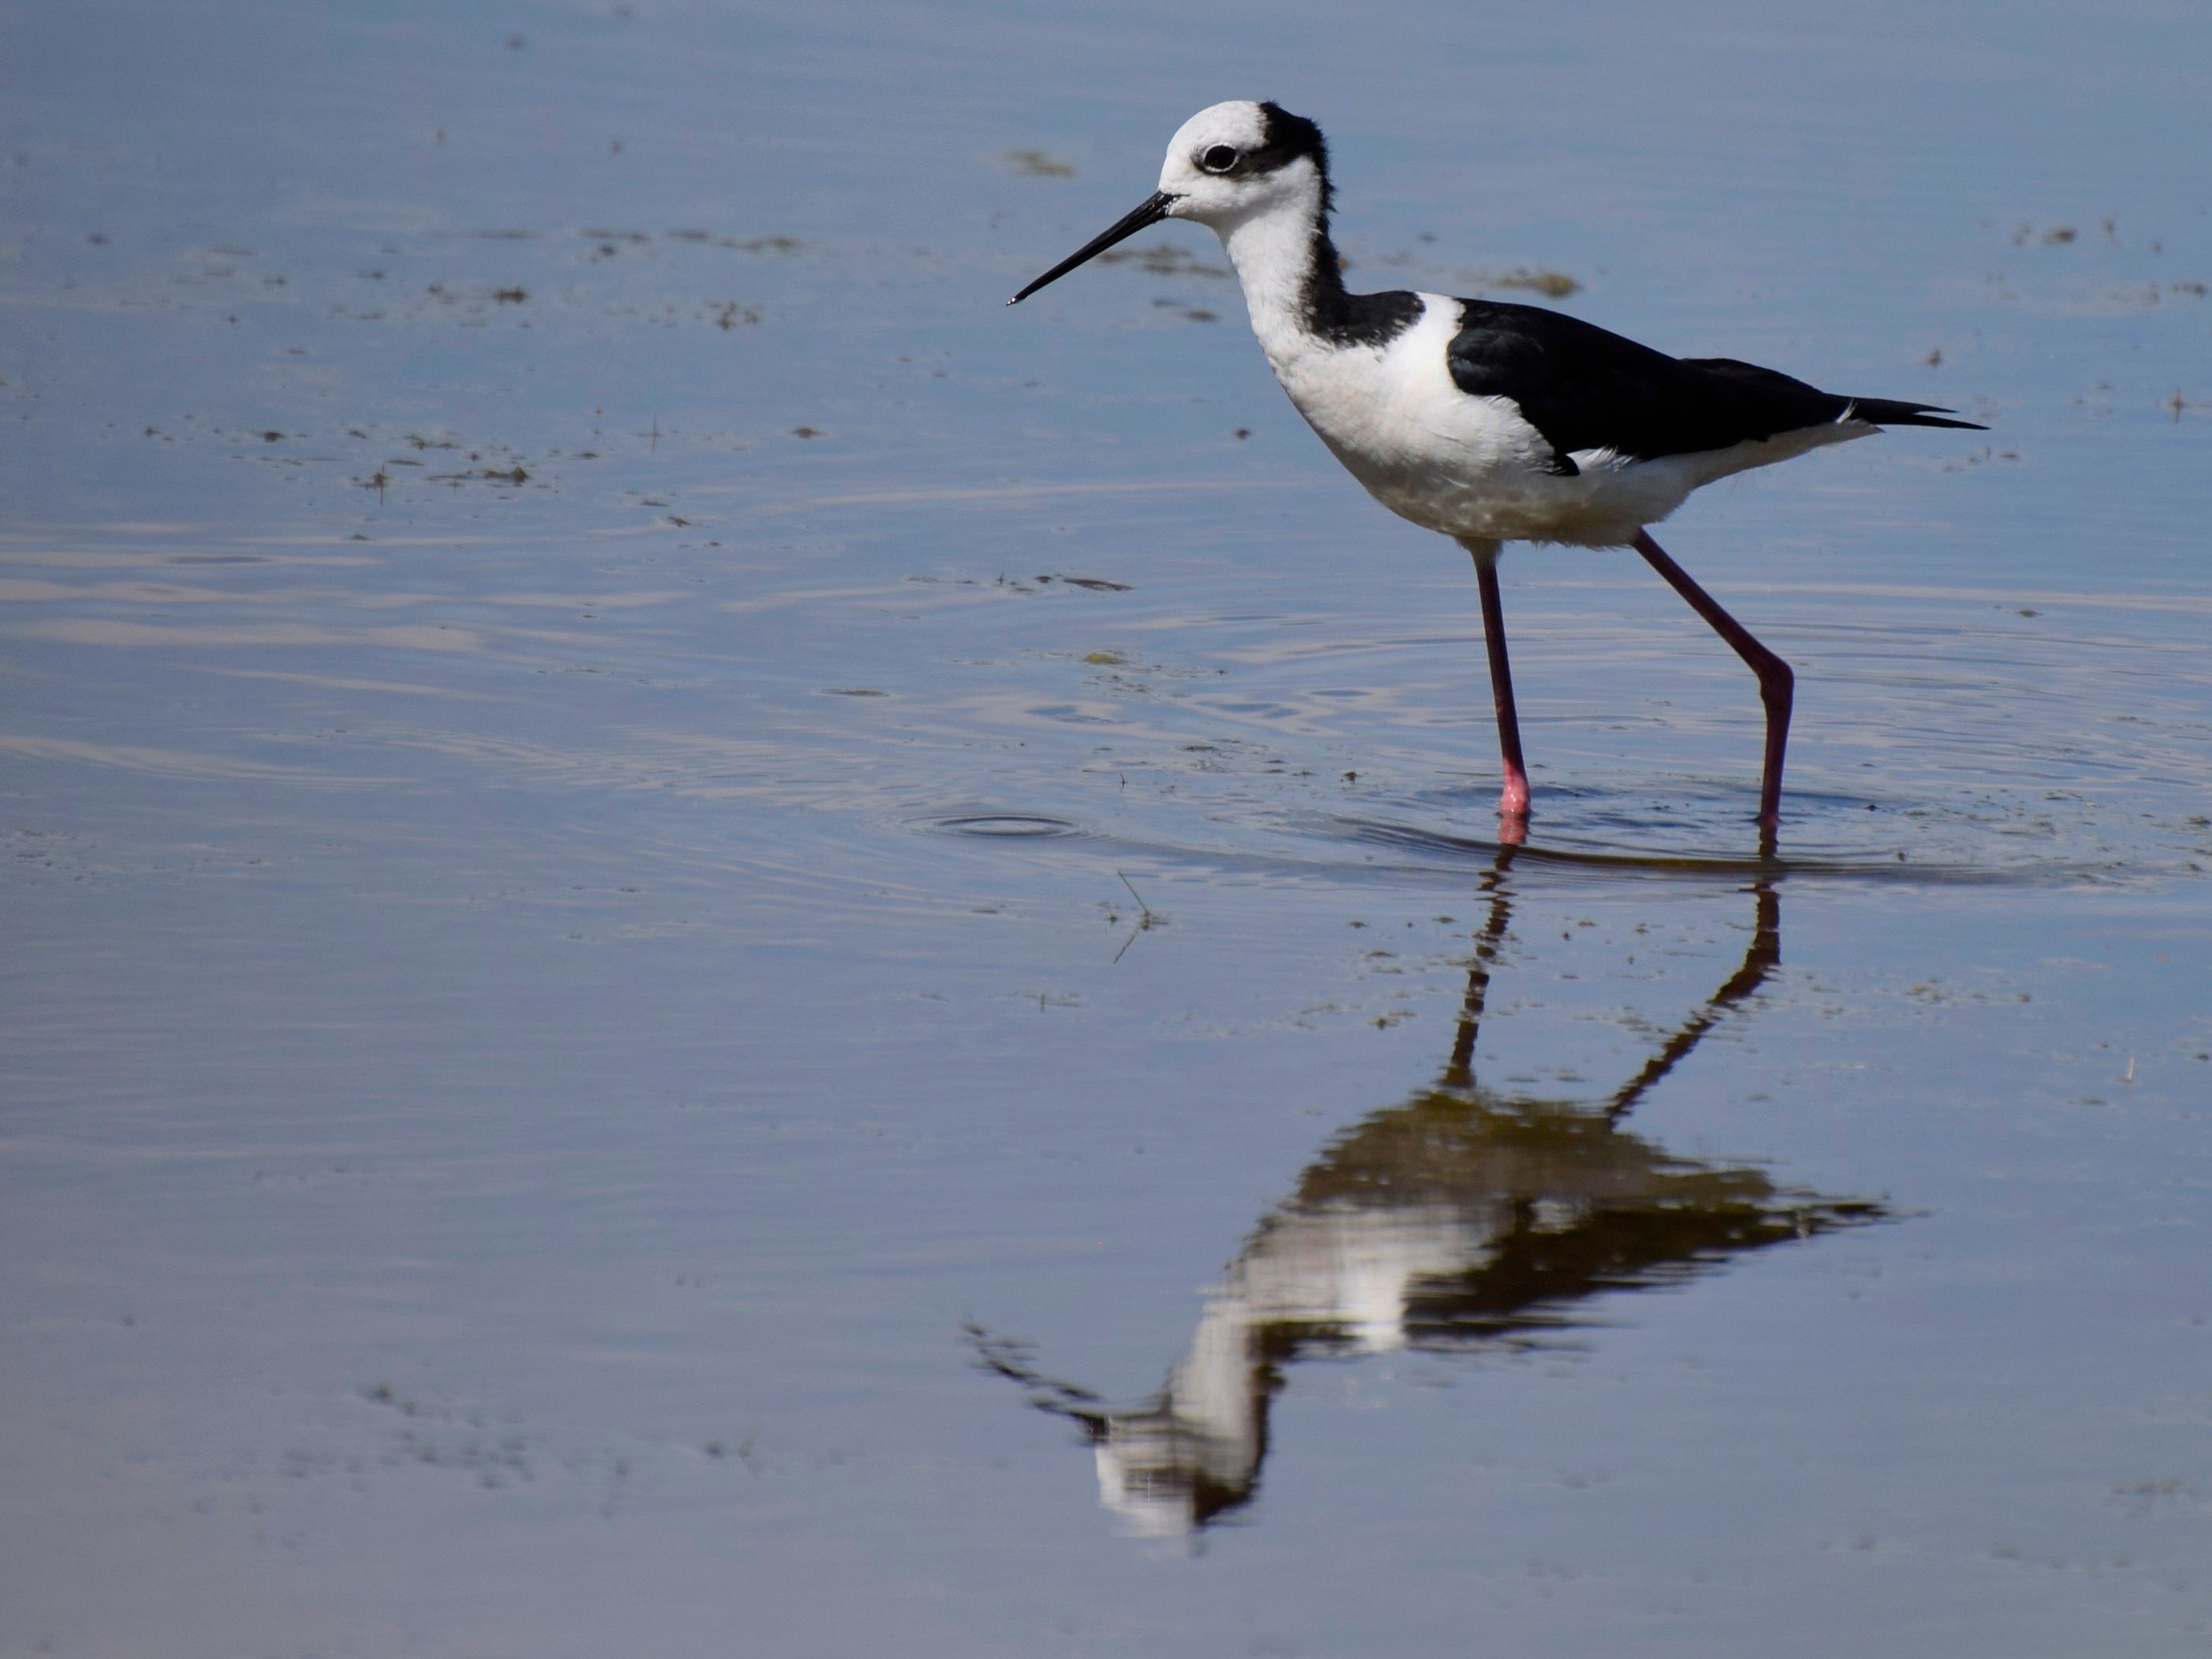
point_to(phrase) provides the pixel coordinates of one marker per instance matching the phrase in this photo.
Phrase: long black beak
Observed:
(1151, 214)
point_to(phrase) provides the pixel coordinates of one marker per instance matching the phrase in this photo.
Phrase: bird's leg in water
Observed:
(1513, 802)
(1776, 682)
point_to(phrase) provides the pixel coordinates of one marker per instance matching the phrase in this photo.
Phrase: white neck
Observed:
(1273, 251)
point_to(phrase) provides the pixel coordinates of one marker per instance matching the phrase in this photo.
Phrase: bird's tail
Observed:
(1887, 411)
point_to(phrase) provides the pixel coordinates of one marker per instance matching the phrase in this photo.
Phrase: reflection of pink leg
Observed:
(1513, 803)
(1776, 682)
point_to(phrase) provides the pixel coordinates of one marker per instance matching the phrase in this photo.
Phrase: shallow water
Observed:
(716, 950)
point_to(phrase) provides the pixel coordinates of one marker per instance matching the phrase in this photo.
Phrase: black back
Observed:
(1583, 387)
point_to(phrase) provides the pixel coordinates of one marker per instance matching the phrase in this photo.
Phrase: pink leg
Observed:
(1776, 682)
(1513, 803)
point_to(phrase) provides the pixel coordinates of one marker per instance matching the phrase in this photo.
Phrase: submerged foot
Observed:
(1513, 800)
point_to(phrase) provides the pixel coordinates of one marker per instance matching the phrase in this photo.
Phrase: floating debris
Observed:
(514, 475)
(1164, 259)
(1036, 164)
(1987, 455)
(1552, 284)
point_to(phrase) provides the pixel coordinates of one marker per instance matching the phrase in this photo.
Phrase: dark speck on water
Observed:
(1552, 284)
(831, 1086)
(1037, 164)
(1168, 259)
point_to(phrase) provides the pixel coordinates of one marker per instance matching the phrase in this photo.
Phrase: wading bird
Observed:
(1489, 422)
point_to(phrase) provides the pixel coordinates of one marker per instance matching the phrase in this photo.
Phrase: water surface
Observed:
(716, 950)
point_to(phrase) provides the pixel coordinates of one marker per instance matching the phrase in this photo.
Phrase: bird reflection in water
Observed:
(1465, 1218)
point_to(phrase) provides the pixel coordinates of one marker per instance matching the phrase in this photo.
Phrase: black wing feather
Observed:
(1583, 387)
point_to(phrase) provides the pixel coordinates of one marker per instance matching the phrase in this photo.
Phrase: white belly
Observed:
(1472, 467)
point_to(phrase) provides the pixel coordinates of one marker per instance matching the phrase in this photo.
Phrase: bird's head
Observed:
(1227, 164)
(1238, 159)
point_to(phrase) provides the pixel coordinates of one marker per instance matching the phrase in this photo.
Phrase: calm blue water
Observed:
(712, 949)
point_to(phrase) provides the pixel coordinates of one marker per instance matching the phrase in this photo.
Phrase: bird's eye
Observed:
(1218, 159)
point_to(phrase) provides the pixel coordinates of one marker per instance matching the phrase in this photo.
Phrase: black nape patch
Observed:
(1283, 137)
(1332, 314)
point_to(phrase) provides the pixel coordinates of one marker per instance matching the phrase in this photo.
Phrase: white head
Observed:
(1237, 159)
(1225, 165)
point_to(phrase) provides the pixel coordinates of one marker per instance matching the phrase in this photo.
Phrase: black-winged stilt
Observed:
(1489, 422)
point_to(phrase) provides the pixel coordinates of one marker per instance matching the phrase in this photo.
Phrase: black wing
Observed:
(1583, 387)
